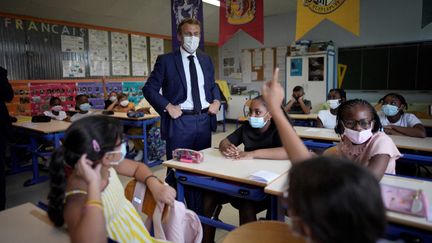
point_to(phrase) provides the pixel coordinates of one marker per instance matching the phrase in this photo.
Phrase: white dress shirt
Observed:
(188, 104)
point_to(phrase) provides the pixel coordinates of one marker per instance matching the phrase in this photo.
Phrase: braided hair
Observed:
(79, 139)
(347, 106)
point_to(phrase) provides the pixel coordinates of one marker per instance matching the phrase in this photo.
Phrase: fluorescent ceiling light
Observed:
(213, 2)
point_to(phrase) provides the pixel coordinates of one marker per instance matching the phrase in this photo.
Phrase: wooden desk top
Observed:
(402, 142)
(123, 116)
(216, 165)
(311, 116)
(427, 122)
(278, 186)
(28, 223)
(44, 127)
(409, 220)
(263, 231)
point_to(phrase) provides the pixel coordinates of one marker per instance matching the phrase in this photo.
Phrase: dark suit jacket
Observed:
(6, 95)
(168, 73)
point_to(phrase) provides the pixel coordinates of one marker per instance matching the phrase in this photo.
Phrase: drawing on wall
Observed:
(316, 69)
(296, 67)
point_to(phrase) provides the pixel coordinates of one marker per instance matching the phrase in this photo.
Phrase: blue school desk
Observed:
(51, 131)
(226, 176)
(141, 122)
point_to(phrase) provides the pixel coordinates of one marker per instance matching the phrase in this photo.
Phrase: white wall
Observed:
(381, 22)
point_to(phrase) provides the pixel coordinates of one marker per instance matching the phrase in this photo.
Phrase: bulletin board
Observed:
(258, 64)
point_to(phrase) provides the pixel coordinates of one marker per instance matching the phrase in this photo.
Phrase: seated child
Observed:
(315, 198)
(82, 106)
(261, 141)
(86, 193)
(297, 104)
(395, 121)
(56, 110)
(327, 118)
(122, 104)
(111, 101)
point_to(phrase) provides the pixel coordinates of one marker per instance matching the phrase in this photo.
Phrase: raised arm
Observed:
(273, 95)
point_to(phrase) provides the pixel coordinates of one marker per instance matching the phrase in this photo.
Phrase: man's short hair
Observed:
(187, 21)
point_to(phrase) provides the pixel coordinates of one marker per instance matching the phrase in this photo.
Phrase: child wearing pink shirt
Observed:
(359, 125)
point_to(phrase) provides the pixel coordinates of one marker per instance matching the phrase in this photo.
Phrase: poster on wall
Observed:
(296, 67)
(156, 49)
(281, 53)
(40, 94)
(114, 87)
(73, 69)
(134, 91)
(98, 53)
(71, 43)
(20, 105)
(120, 54)
(95, 93)
(139, 55)
(316, 69)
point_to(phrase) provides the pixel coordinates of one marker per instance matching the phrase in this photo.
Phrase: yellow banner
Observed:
(310, 13)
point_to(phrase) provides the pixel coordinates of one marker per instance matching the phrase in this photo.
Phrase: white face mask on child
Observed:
(123, 152)
(358, 137)
(124, 103)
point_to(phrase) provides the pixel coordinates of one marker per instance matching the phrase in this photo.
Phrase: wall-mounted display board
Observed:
(394, 67)
(45, 49)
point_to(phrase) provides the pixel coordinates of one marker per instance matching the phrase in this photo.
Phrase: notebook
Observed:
(263, 176)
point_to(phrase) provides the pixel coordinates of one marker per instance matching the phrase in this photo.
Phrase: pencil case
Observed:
(135, 114)
(188, 155)
(40, 118)
(406, 201)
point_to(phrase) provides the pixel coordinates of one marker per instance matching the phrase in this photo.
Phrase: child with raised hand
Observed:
(86, 192)
(397, 122)
(314, 197)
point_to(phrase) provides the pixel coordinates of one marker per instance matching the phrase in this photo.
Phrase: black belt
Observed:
(192, 112)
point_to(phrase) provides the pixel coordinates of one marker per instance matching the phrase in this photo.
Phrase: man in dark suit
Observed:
(190, 98)
(6, 95)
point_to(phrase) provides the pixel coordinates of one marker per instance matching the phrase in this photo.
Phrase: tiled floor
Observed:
(17, 194)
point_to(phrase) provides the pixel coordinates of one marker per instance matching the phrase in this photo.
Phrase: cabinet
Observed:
(235, 106)
(315, 72)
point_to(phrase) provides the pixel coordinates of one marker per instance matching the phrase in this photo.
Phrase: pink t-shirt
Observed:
(379, 143)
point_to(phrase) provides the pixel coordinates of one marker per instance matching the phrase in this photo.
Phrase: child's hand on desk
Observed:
(244, 155)
(230, 151)
(85, 170)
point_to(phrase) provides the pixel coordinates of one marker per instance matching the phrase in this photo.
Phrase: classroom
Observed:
(246, 120)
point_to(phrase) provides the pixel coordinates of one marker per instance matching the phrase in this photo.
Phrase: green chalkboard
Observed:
(403, 66)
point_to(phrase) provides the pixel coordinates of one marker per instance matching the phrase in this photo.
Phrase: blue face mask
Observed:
(257, 122)
(85, 107)
(390, 110)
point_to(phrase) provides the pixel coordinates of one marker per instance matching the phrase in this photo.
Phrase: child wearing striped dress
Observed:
(86, 193)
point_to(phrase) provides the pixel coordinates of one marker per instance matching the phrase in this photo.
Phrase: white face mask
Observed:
(333, 104)
(358, 137)
(124, 103)
(113, 98)
(191, 43)
(123, 152)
